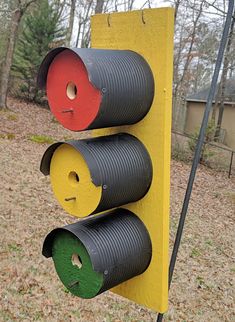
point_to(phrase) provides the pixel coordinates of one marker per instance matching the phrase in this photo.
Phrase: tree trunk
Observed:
(177, 4)
(99, 6)
(179, 90)
(15, 20)
(71, 22)
(78, 34)
(223, 84)
(84, 26)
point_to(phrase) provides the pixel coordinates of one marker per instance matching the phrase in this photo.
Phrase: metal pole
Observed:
(230, 166)
(200, 143)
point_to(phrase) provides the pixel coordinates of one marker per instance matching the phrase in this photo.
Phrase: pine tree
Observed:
(41, 30)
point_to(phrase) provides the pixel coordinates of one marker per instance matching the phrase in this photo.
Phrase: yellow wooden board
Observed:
(149, 33)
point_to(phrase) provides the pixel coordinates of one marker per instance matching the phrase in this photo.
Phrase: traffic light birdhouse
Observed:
(121, 89)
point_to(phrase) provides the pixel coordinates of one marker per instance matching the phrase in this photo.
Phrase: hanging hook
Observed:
(142, 17)
(108, 20)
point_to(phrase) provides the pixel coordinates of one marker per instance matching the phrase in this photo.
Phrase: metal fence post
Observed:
(231, 163)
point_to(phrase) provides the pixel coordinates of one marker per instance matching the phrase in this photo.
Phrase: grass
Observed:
(12, 117)
(76, 313)
(65, 290)
(178, 153)
(8, 136)
(67, 138)
(195, 253)
(209, 242)
(14, 247)
(231, 196)
(200, 279)
(41, 139)
(33, 269)
(38, 316)
(54, 120)
(4, 110)
(201, 283)
(214, 157)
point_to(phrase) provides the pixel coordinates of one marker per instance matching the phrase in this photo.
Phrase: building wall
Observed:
(195, 111)
(228, 123)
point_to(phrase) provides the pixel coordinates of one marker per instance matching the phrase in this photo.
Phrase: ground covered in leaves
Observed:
(203, 284)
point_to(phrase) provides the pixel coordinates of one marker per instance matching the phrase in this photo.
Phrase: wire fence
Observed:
(215, 155)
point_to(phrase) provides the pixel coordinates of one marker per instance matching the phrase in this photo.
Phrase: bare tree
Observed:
(71, 22)
(5, 17)
(99, 6)
(16, 17)
(180, 81)
(220, 99)
(86, 34)
(197, 32)
(85, 10)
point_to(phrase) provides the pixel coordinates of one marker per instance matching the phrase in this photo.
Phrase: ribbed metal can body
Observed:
(123, 78)
(119, 163)
(117, 242)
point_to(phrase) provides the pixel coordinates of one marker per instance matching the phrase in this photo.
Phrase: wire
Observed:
(199, 145)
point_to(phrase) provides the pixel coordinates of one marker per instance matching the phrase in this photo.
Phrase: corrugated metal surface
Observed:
(124, 79)
(117, 242)
(119, 163)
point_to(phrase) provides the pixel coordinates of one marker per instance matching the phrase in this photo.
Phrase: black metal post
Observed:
(231, 163)
(199, 145)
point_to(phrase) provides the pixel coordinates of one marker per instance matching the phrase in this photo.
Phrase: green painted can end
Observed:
(74, 267)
